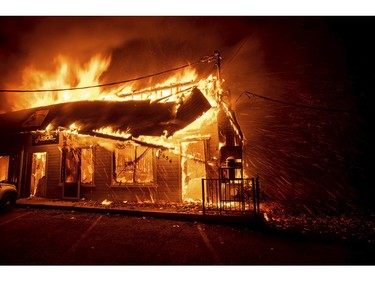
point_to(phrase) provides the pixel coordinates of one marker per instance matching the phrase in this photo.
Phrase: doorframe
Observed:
(31, 155)
(205, 141)
(78, 183)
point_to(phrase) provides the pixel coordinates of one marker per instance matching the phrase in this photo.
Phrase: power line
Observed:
(235, 53)
(99, 85)
(249, 95)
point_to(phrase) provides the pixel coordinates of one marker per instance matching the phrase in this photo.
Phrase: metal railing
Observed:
(224, 196)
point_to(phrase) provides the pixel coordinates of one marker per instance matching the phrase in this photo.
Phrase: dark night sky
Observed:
(299, 153)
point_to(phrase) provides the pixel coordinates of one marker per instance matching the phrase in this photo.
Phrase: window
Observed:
(133, 164)
(4, 168)
(87, 167)
(75, 160)
(71, 166)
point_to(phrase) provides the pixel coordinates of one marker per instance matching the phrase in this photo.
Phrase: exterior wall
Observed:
(167, 171)
(166, 186)
(169, 178)
(208, 128)
(100, 190)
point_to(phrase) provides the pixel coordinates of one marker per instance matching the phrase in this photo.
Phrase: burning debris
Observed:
(106, 202)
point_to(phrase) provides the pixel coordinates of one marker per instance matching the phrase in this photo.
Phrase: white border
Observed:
(191, 7)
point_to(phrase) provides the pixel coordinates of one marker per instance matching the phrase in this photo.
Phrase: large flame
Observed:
(69, 74)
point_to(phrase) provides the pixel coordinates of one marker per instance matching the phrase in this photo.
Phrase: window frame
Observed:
(62, 158)
(115, 183)
(92, 164)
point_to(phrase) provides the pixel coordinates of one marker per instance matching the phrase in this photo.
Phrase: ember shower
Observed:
(316, 158)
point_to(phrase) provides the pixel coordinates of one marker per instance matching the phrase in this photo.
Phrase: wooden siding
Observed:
(169, 178)
(167, 185)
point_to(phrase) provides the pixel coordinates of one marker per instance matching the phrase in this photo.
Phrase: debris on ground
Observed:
(354, 226)
(344, 226)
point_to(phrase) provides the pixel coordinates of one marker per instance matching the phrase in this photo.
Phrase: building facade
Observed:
(70, 164)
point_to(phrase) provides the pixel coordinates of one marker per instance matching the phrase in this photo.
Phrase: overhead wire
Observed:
(99, 85)
(250, 95)
(235, 54)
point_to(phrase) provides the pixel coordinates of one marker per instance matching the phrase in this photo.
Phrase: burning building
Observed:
(154, 144)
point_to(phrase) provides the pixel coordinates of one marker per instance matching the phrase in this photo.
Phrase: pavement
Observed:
(172, 212)
(340, 228)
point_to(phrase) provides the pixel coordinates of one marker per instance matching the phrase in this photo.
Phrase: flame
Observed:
(111, 132)
(106, 202)
(74, 127)
(69, 74)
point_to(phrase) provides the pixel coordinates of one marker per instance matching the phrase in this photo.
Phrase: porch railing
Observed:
(224, 196)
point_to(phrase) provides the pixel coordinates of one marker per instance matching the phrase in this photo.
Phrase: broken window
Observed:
(4, 168)
(71, 166)
(133, 164)
(87, 167)
(78, 159)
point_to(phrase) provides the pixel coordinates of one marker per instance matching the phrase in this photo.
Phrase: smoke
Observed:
(138, 45)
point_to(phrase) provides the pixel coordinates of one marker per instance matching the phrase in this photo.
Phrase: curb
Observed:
(244, 221)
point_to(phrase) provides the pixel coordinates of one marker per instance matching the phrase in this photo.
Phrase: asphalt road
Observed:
(56, 237)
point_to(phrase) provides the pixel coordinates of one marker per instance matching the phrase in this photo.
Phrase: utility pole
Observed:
(218, 64)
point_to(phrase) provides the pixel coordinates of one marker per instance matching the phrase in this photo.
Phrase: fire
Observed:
(110, 131)
(69, 75)
(73, 127)
(106, 202)
(188, 142)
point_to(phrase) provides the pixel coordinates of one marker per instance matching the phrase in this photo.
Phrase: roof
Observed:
(136, 117)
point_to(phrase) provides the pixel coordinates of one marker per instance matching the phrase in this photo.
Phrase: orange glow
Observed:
(70, 74)
(111, 132)
(67, 74)
(106, 202)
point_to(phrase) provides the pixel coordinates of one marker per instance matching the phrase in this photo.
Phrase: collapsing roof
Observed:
(135, 117)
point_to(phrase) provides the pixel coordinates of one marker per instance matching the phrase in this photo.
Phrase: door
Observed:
(38, 183)
(71, 173)
(193, 169)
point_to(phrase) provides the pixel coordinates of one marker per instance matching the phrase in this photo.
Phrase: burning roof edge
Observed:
(136, 117)
(232, 118)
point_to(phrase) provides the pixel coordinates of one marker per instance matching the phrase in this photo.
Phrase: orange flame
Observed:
(66, 75)
(69, 74)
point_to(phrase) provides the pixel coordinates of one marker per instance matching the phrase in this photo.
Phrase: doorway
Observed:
(71, 173)
(38, 183)
(193, 164)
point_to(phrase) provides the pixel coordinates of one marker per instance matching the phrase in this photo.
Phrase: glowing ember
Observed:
(106, 202)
